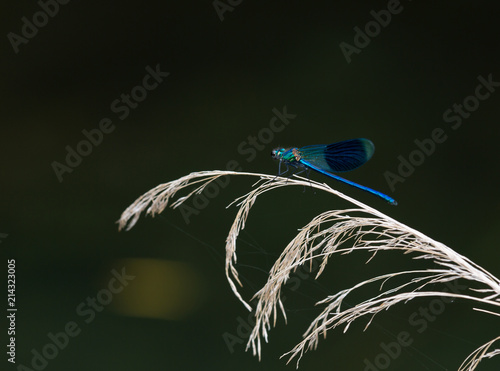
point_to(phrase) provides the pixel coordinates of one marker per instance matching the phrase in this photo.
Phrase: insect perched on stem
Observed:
(331, 158)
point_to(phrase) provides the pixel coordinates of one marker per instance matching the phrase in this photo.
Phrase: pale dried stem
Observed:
(363, 227)
(472, 361)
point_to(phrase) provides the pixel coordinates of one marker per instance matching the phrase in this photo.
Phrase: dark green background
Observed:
(225, 79)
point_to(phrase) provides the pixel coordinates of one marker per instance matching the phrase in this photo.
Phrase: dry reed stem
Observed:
(364, 227)
(480, 353)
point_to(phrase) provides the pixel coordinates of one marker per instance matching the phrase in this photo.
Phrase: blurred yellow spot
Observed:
(161, 289)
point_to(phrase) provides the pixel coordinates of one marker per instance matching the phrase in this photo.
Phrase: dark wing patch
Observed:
(338, 157)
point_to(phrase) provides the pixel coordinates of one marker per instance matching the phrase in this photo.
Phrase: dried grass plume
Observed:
(365, 228)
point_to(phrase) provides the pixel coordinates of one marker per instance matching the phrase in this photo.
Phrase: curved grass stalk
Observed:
(479, 354)
(365, 228)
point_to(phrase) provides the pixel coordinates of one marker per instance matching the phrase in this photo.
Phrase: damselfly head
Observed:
(277, 153)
